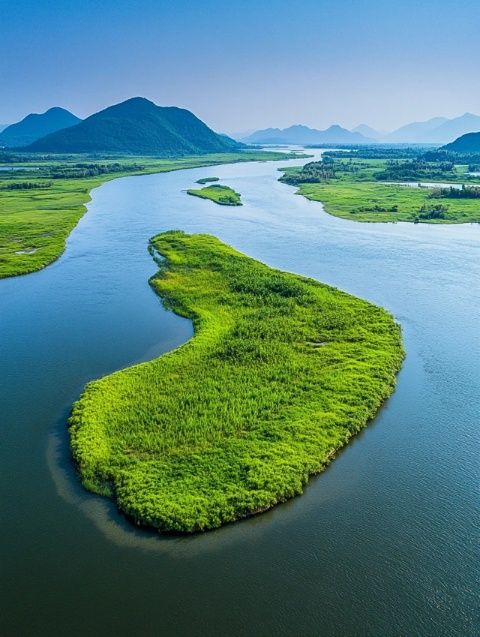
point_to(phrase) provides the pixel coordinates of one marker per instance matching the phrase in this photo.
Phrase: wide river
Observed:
(384, 543)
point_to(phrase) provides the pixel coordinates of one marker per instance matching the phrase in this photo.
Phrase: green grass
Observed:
(364, 201)
(222, 195)
(354, 193)
(282, 370)
(36, 221)
(207, 180)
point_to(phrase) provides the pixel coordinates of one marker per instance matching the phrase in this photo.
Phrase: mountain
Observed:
(454, 128)
(368, 131)
(303, 135)
(438, 130)
(240, 134)
(35, 126)
(138, 126)
(469, 143)
(414, 132)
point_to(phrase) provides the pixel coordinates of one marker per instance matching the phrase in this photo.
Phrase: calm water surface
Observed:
(385, 542)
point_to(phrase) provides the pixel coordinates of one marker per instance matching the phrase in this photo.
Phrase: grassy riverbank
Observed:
(281, 372)
(366, 189)
(40, 206)
(222, 195)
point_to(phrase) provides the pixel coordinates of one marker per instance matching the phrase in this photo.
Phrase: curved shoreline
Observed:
(239, 417)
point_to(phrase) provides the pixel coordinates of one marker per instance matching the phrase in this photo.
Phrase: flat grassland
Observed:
(223, 195)
(41, 203)
(282, 370)
(372, 190)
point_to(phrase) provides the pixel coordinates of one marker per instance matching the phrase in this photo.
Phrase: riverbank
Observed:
(357, 186)
(43, 199)
(281, 372)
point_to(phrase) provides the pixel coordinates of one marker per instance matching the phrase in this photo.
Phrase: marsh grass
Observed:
(223, 195)
(282, 370)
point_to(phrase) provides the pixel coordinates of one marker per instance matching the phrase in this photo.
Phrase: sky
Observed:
(245, 64)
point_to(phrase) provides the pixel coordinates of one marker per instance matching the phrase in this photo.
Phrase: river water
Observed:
(385, 542)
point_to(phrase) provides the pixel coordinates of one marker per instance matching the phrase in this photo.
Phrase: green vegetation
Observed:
(207, 180)
(469, 143)
(222, 195)
(40, 206)
(35, 126)
(356, 185)
(138, 127)
(465, 192)
(281, 372)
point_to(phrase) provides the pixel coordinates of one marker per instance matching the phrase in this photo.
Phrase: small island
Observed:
(207, 180)
(222, 195)
(281, 372)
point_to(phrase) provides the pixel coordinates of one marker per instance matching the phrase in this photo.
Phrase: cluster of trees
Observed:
(429, 211)
(26, 185)
(465, 192)
(375, 208)
(82, 170)
(375, 152)
(414, 170)
(450, 156)
(312, 173)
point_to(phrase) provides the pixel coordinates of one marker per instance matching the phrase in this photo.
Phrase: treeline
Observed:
(465, 192)
(429, 211)
(414, 170)
(80, 171)
(312, 173)
(472, 160)
(376, 152)
(26, 185)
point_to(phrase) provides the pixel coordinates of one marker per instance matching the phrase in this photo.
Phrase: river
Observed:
(385, 542)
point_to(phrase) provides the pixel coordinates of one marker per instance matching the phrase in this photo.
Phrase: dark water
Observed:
(384, 543)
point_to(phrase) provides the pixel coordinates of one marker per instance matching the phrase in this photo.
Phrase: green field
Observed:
(365, 190)
(39, 207)
(222, 195)
(372, 201)
(281, 372)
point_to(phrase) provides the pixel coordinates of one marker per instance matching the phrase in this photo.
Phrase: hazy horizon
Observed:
(244, 65)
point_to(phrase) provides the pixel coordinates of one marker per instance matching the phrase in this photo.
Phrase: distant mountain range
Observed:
(469, 143)
(303, 135)
(369, 132)
(35, 126)
(439, 130)
(137, 126)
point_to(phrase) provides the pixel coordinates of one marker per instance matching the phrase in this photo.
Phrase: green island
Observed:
(223, 195)
(281, 371)
(207, 180)
(42, 198)
(371, 185)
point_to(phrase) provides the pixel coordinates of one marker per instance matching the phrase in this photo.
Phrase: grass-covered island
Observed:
(223, 195)
(392, 184)
(281, 372)
(207, 180)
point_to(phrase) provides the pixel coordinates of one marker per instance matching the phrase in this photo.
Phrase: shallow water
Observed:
(385, 542)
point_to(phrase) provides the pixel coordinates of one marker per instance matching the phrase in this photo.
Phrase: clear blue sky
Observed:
(243, 64)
